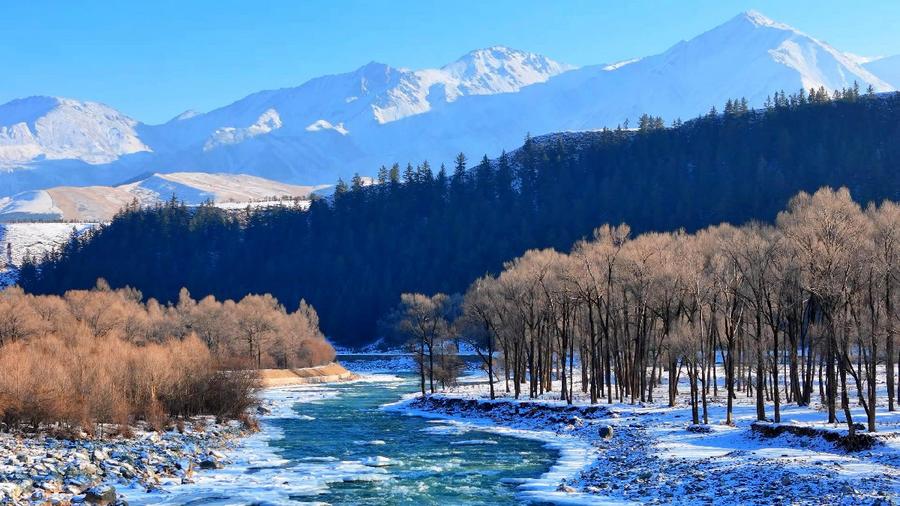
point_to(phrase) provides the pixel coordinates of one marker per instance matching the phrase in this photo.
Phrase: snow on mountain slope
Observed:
(748, 56)
(197, 187)
(887, 68)
(499, 69)
(32, 204)
(355, 101)
(336, 125)
(489, 71)
(267, 122)
(100, 203)
(59, 128)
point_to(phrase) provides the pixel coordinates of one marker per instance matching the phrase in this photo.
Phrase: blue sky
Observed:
(153, 60)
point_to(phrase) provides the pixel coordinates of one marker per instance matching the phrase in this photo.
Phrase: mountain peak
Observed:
(498, 50)
(499, 69)
(497, 55)
(757, 18)
(753, 19)
(374, 68)
(42, 127)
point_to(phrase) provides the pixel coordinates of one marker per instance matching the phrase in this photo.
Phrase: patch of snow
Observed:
(267, 122)
(322, 124)
(618, 65)
(24, 205)
(377, 461)
(473, 442)
(32, 239)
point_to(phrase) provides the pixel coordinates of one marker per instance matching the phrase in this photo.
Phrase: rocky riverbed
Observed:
(40, 469)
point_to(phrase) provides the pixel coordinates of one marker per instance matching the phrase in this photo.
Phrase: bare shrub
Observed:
(103, 356)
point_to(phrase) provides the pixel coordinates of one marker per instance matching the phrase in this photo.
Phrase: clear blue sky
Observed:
(155, 59)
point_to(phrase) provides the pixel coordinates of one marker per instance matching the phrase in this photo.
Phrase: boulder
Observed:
(209, 463)
(100, 496)
(606, 432)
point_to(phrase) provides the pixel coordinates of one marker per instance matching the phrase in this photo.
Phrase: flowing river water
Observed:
(336, 444)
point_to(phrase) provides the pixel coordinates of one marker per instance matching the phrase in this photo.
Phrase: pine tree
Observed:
(340, 188)
(394, 175)
(356, 183)
(460, 167)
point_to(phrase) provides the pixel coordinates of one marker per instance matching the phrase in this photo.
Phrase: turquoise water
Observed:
(427, 463)
(334, 444)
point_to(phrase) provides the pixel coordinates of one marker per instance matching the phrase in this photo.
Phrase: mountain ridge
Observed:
(486, 100)
(100, 203)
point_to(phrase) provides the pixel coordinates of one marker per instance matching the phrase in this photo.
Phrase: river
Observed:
(336, 444)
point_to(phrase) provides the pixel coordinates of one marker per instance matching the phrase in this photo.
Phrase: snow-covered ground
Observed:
(32, 239)
(41, 469)
(656, 456)
(394, 361)
(101, 203)
(362, 363)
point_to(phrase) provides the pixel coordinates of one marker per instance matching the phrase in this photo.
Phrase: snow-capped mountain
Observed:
(749, 56)
(487, 100)
(372, 95)
(54, 128)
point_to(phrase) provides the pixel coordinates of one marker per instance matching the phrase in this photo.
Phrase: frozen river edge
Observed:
(576, 454)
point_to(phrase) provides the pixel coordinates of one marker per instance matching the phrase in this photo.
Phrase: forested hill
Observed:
(426, 229)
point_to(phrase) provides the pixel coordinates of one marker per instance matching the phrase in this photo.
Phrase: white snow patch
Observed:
(322, 124)
(473, 442)
(267, 122)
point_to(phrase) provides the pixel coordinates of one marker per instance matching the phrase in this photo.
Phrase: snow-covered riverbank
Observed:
(652, 453)
(148, 467)
(42, 469)
(552, 428)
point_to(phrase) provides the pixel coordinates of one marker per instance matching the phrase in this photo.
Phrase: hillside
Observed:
(101, 203)
(429, 231)
(486, 101)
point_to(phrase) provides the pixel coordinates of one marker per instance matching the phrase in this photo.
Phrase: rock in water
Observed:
(210, 463)
(606, 432)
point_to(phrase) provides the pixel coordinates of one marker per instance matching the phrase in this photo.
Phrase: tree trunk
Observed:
(889, 341)
(422, 366)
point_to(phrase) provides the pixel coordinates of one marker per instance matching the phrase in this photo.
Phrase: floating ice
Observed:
(472, 442)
